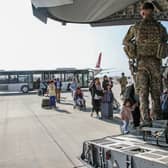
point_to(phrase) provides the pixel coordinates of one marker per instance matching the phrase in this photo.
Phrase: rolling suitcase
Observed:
(106, 110)
(45, 102)
(106, 106)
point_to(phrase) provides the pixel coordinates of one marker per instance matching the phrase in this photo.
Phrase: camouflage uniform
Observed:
(145, 37)
(123, 83)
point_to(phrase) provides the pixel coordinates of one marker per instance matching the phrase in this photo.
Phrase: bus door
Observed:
(25, 80)
(30, 81)
(85, 80)
(4, 82)
(37, 78)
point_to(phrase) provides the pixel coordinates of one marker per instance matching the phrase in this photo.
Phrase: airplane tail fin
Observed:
(98, 64)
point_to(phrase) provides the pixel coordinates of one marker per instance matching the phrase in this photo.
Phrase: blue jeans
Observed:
(52, 101)
(125, 126)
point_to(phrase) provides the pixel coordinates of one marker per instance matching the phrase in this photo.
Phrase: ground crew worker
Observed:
(123, 83)
(146, 41)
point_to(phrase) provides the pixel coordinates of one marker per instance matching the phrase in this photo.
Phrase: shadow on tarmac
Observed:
(68, 104)
(87, 110)
(115, 120)
(57, 110)
(63, 111)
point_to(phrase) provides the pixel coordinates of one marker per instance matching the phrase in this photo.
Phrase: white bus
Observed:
(25, 81)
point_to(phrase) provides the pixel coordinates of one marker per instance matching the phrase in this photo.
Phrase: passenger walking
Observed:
(73, 86)
(111, 82)
(42, 89)
(52, 94)
(58, 85)
(97, 97)
(105, 82)
(91, 89)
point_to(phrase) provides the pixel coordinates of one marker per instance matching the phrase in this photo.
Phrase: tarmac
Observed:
(33, 137)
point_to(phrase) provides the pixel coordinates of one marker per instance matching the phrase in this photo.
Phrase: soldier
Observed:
(123, 83)
(146, 41)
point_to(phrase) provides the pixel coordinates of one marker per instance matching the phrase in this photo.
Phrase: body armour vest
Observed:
(147, 38)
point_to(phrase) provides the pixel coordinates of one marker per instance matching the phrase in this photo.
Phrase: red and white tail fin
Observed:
(98, 64)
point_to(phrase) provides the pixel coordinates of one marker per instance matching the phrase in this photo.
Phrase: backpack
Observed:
(164, 103)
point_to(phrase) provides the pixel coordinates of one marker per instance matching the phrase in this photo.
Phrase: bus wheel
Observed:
(24, 89)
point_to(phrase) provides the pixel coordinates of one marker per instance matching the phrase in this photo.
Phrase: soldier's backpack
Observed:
(164, 103)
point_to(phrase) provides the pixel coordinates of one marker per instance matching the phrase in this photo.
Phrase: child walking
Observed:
(126, 114)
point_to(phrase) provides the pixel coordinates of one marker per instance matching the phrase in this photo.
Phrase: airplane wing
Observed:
(95, 12)
(50, 3)
(109, 74)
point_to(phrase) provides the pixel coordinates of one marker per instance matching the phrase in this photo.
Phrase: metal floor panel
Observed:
(131, 148)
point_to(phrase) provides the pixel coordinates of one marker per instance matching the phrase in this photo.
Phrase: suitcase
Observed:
(45, 102)
(106, 110)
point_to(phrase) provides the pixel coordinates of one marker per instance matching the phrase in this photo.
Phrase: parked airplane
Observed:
(98, 64)
(99, 72)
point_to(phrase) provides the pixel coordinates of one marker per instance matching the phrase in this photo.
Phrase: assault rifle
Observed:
(133, 66)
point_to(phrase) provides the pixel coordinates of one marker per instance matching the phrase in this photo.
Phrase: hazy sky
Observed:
(27, 43)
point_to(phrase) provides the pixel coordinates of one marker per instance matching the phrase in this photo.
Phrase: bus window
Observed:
(79, 79)
(3, 79)
(13, 79)
(62, 77)
(69, 77)
(85, 80)
(57, 76)
(23, 78)
(91, 76)
(37, 77)
(46, 76)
